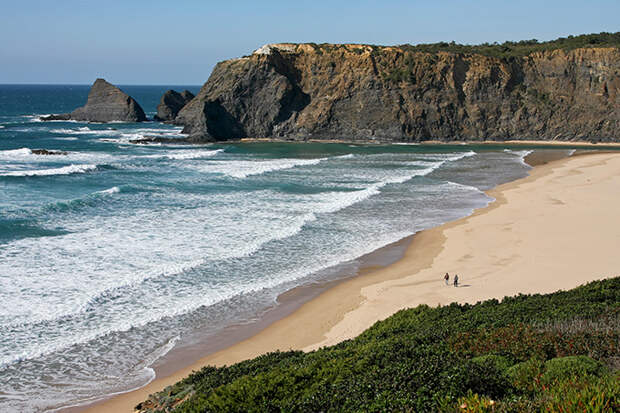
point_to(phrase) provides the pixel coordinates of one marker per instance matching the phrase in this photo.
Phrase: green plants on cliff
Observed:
(521, 48)
(525, 353)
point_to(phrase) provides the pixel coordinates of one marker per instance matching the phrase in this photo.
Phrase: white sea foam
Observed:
(242, 169)
(65, 170)
(336, 201)
(85, 130)
(463, 186)
(15, 153)
(120, 253)
(109, 191)
(26, 155)
(521, 154)
(459, 156)
(186, 154)
(347, 156)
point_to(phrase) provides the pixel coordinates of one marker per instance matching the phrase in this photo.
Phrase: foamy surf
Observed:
(521, 154)
(65, 170)
(180, 239)
(186, 154)
(243, 169)
(85, 130)
(110, 191)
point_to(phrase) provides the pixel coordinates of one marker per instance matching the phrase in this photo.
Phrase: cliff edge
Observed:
(372, 93)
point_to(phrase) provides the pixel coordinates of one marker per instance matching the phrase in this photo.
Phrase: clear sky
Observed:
(179, 42)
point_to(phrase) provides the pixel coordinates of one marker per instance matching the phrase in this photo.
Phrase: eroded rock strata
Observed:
(359, 92)
(171, 103)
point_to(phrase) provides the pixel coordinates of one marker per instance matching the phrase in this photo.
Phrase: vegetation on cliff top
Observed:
(506, 50)
(522, 48)
(555, 352)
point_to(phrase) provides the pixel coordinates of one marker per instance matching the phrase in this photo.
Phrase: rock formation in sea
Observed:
(171, 103)
(371, 93)
(106, 103)
(48, 152)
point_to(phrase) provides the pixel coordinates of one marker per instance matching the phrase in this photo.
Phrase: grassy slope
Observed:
(436, 359)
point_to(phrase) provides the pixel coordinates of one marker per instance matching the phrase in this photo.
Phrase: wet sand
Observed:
(553, 230)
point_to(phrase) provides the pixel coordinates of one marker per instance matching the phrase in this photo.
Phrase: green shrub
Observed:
(563, 368)
(584, 395)
(499, 363)
(525, 376)
(426, 359)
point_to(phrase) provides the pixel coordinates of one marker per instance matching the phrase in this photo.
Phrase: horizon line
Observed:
(90, 84)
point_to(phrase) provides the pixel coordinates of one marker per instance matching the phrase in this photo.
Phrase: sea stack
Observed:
(106, 103)
(171, 103)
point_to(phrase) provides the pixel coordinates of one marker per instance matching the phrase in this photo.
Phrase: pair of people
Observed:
(447, 279)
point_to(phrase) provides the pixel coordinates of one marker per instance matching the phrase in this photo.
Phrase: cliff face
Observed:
(358, 92)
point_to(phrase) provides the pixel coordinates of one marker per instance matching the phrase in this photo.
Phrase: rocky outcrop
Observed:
(48, 152)
(61, 116)
(369, 93)
(171, 103)
(106, 103)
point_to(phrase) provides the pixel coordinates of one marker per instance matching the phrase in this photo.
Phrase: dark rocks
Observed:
(47, 152)
(392, 94)
(147, 140)
(62, 116)
(171, 103)
(106, 103)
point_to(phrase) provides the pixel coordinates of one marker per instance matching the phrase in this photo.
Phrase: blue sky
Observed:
(179, 42)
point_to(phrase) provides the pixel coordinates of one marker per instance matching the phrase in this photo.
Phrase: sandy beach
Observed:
(554, 229)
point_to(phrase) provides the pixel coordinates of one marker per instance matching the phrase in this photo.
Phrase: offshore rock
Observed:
(47, 152)
(106, 103)
(171, 103)
(370, 93)
(61, 116)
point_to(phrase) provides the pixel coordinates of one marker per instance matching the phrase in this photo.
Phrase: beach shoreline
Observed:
(348, 307)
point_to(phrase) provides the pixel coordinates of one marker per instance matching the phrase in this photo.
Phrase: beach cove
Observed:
(521, 243)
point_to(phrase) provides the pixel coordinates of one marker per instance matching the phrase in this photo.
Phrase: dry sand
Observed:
(555, 229)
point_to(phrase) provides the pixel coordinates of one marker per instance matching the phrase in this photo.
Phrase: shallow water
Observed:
(112, 254)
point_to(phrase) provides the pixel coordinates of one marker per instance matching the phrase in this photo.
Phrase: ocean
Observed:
(113, 254)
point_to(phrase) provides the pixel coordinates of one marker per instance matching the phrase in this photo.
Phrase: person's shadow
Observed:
(463, 285)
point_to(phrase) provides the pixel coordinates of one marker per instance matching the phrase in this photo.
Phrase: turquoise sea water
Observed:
(114, 253)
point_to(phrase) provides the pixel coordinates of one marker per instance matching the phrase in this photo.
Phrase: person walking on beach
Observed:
(456, 280)
(447, 279)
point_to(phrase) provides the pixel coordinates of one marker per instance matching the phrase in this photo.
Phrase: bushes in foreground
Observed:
(555, 352)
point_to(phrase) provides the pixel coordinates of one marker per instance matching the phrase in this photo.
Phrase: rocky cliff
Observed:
(171, 103)
(359, 92)
(106, 103)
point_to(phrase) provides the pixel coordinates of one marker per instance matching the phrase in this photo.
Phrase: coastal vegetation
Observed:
(510, 49)
(553, 352)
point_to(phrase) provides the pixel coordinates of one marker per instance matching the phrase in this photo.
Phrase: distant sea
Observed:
(114, 253)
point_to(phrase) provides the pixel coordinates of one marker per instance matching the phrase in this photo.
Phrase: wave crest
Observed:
(65, 170)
